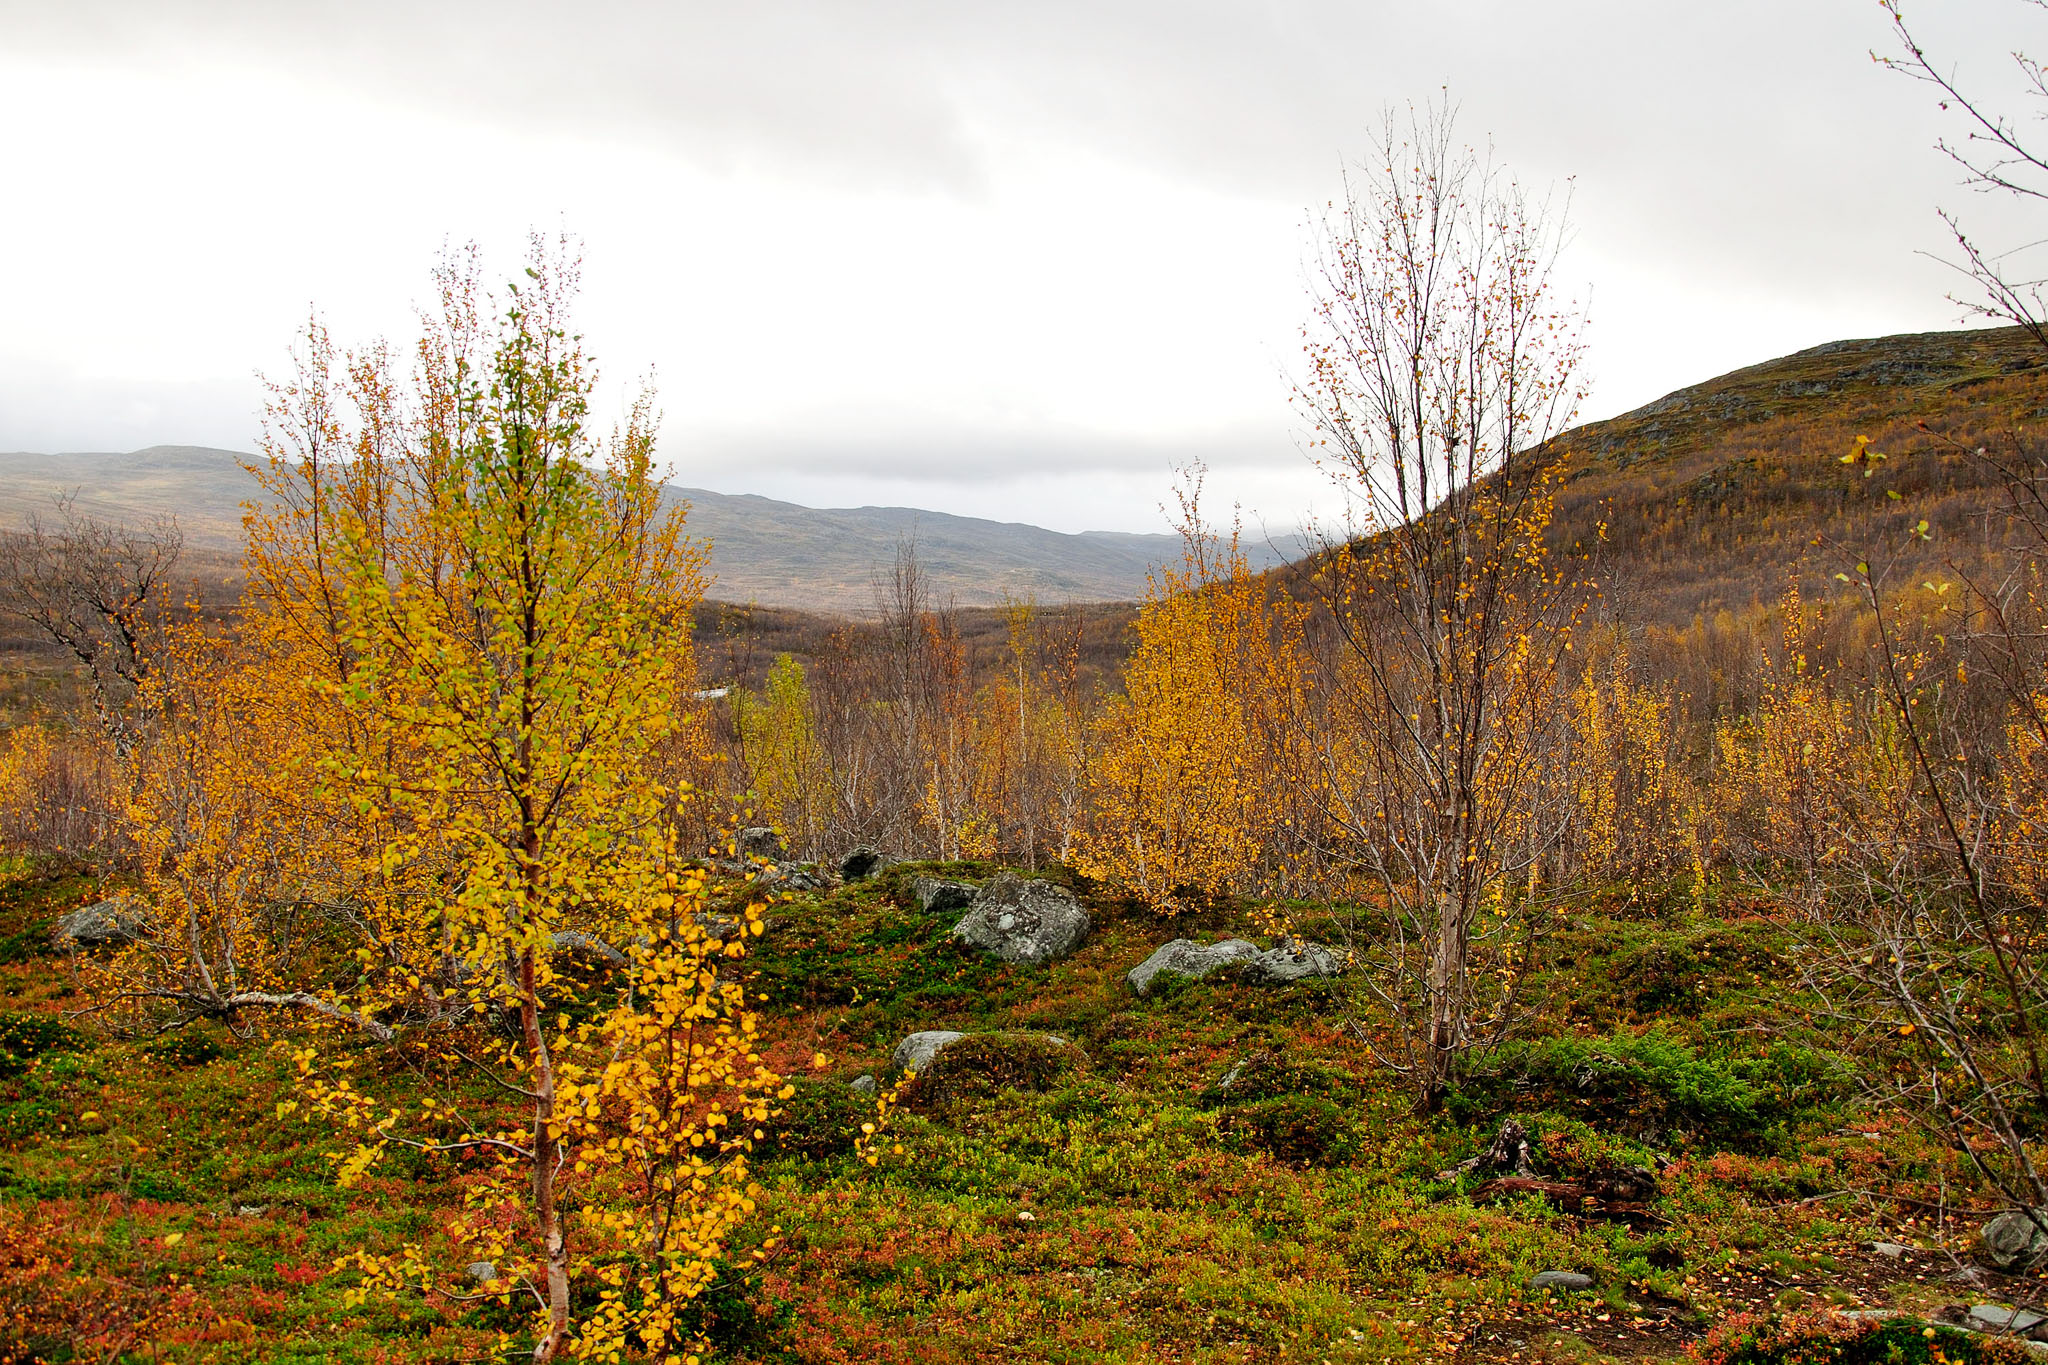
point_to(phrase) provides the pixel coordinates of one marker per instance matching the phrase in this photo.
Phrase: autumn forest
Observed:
(1587, 905)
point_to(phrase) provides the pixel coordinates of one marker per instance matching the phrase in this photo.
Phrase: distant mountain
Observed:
(773, 553)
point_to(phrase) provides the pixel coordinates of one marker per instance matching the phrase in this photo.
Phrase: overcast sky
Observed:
(1004, 259)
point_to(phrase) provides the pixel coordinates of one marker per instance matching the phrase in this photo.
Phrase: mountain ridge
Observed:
(764, 550)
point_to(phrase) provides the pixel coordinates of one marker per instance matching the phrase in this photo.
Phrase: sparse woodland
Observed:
(1608, 876)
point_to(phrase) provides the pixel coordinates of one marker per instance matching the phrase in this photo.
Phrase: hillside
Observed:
(1713, 496)
(765, 551)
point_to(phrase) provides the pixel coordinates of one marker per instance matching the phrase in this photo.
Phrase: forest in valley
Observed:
(1587, 907)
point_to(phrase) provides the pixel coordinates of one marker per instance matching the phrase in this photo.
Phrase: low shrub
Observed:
(25, 1037)
(820, 1120)
(1651, 1084)
(1270, 1075)
(188, 1048)
(1823, 1339)
(1307, 1130)
(988, 1064)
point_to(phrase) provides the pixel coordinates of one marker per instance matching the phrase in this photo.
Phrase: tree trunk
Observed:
(1446, 978)
(547, 1214)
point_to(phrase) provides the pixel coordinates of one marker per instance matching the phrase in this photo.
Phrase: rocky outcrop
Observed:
(1186, 957)
(791, 877)
(863, 862)
(1023, 919)
(588, 945)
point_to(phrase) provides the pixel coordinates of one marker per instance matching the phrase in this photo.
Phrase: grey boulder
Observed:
(803, 877)
(759, 841)
(938, 895)
(576, 941)
(1185, 957)
(862, 863)
(1020, 919)
(915, 1053)
(862, 1085)
(107, 921)
(2015, 1241)
(1293, 960)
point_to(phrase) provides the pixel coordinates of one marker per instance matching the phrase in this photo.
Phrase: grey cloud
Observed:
(1745, 135)
(960, 454)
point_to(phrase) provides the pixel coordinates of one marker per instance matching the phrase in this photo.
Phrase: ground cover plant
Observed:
(1130, 1207)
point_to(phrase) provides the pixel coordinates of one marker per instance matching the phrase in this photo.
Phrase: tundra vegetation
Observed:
(446, 954)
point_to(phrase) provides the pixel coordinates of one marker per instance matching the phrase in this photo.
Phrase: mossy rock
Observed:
(819, 1121)
(1304, 1130)
(1271, 1075)
(987, 1064)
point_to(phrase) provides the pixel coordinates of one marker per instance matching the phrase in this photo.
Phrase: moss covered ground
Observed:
(1115, 1205)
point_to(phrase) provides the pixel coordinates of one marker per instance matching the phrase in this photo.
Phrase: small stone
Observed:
(1027, 1216)
(1559, 1279)
(915, 1053)
(862, 1085)
(251, 1210)
(481, 1272)
(1992, 1317)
